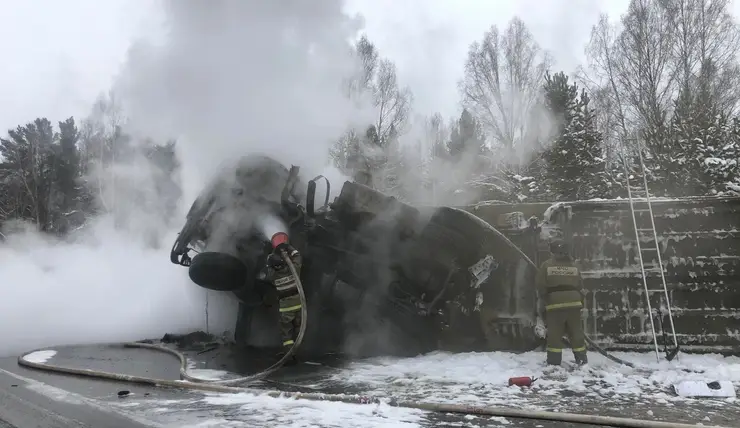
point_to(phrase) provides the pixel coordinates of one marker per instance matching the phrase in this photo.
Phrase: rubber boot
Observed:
(554, 358)
(581, 358)
(293, 360)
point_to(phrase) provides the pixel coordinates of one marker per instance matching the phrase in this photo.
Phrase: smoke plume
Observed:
(225, 79)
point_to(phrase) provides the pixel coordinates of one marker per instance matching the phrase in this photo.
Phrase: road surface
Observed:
(31, 398)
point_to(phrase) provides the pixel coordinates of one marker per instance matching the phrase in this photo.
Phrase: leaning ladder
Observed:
(638, 230)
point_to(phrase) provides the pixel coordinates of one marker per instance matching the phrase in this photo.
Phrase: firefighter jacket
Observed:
(559, 284)
(280, 275)
(289, 300)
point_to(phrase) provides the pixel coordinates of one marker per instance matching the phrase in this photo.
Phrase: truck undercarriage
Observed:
(381, 277)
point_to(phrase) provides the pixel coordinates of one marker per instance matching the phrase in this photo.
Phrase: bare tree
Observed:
(503, 80)
(375, 152)
(631, 73)
(663, 47)
(377, 82)
(369, 59)
(645, 76)
(100, 136)
(600, 76)
(436, 134)
(705, 35)
(607, 121)
(392, 102)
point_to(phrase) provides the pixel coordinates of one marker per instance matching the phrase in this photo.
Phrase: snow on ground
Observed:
(40, 356)
(208, 374)
(481, 379)
(266, 411)
(245, 409)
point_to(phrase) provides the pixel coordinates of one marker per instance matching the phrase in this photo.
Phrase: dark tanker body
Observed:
(381, 277)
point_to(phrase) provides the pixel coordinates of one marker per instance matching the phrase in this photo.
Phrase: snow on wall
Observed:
(699, 242)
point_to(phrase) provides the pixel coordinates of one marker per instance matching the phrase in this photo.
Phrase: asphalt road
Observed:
(31, 398)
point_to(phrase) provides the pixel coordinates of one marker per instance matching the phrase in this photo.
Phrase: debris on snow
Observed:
(481, 378)
(699, 389)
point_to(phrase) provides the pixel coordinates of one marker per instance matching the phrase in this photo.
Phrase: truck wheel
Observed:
(218, 271)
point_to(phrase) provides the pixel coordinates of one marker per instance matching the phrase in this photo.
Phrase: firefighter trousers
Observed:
(565, 322)
(290, 319)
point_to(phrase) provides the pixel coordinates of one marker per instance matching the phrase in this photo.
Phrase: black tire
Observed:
(218, 271)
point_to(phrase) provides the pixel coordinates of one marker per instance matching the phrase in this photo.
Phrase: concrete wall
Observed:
(699, 242)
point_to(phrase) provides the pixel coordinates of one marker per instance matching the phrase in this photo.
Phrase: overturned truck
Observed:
(381, 277)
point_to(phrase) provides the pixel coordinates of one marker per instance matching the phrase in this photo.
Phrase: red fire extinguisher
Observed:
(522, 381)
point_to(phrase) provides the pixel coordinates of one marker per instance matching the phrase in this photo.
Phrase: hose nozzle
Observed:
(279, 239)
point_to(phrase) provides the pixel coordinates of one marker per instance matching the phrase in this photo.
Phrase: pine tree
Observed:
(730, 170)
(28, 172)
(574, 168)
(467, 137)
(166, 167)
(700, 161)
(67, 170)
(466, 153)
(721, 159)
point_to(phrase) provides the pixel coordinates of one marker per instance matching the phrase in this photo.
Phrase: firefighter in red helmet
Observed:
(279, 274)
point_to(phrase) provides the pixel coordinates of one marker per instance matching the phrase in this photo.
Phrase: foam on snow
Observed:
(258, 409)
(482, 378)
(40, 356)
(479, 379)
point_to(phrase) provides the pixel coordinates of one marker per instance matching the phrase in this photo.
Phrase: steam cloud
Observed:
(227, 78)
(237, 77)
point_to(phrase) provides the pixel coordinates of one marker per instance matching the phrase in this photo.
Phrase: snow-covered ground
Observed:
(472, 378)
(481, 378)
(40, 356)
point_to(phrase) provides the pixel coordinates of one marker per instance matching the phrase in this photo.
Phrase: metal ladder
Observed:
(644, 193)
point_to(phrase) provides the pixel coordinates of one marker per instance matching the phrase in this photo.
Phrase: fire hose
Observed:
(226, 386)
(183, 360)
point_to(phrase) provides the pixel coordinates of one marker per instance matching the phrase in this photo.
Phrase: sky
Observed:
(58, 56)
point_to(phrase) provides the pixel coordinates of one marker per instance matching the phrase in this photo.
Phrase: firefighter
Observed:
(279, 274)
(559, 284)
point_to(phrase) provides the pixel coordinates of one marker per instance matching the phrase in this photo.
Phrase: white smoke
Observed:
(238, 77)
(226, 79)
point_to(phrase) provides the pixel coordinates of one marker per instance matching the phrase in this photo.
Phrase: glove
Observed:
(275, 261)
(289, 250)
(539, 329)
(283, 247)
(278, 265)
